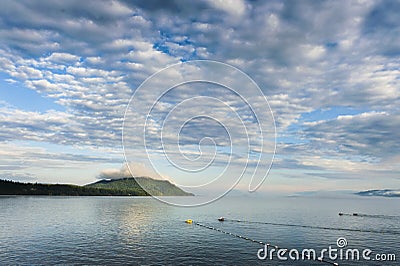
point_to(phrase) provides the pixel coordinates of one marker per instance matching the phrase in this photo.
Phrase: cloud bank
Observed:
(330, 70)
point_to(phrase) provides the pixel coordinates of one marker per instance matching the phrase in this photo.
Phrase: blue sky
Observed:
(329, 69)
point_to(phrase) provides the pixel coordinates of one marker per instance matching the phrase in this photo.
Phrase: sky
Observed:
(330, 71)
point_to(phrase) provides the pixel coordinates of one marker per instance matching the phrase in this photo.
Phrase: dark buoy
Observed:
(355, 214)
(221, 219)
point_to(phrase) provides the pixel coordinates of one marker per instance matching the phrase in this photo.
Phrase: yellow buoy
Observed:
(189, 221)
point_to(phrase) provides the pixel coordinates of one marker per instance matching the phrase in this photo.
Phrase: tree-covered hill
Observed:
(152, 186)
(118, 187)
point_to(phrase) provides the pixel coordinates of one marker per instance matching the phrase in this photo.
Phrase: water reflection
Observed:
(137, 219)
(127, 230)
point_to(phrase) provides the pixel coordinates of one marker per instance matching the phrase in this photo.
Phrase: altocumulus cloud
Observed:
(87, 58)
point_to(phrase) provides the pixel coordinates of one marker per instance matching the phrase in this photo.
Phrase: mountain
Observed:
(118, 187)
(380, 192)
(153, 186)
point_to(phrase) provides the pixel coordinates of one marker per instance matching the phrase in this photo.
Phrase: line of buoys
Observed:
(316, 227)
(252, 240)
(348, 214)
(381, 216)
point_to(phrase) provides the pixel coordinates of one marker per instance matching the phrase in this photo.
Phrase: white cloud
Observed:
(134, 169)
(233, 7)
(65, 58)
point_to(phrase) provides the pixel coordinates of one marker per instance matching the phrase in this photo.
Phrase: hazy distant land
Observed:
(116, 187)
(380, 192)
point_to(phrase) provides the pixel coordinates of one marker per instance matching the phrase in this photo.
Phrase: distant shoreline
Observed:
(119, 187)
(388, 193)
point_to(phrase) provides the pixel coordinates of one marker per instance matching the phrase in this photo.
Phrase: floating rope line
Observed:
(315, 227)
(380, 216)
(252, 240)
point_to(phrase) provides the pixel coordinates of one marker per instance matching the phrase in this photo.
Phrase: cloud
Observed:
(384, 17)
(20, 177)
(234, 8)
(134, 169)
(370, 134)
(26, 155)
(65, 58)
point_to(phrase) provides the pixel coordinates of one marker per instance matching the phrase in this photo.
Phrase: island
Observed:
(128, 186)
(380, 193)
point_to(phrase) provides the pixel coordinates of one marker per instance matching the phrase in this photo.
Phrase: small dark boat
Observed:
(355, 214)
(221, 219)
(340, 213)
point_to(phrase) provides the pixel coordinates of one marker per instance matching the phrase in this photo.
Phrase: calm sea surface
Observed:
(144, 231)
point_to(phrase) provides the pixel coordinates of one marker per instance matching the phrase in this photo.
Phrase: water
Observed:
(143, 231)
